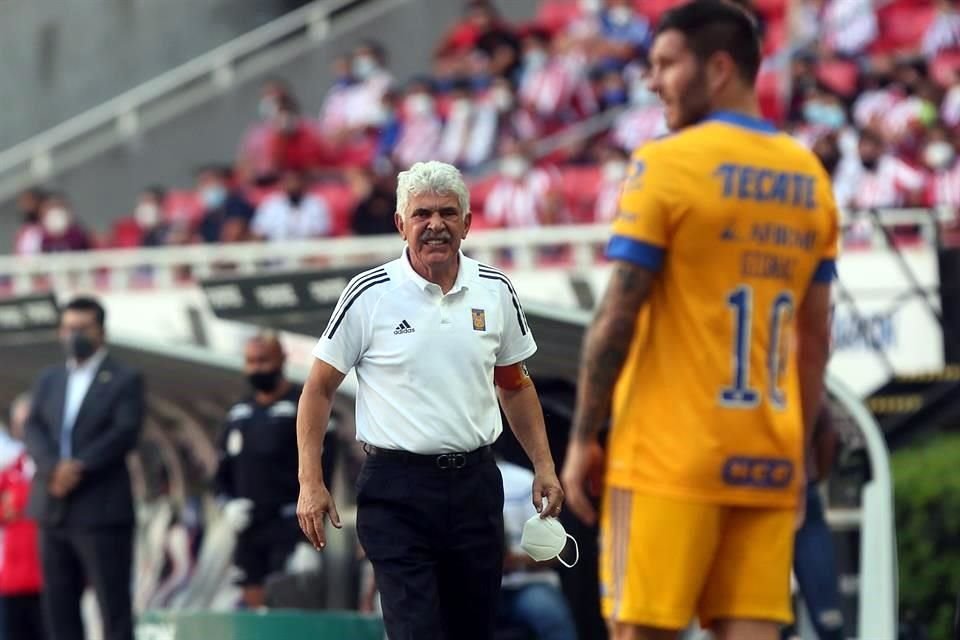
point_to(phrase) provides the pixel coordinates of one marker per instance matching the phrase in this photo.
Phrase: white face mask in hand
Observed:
(544, 538)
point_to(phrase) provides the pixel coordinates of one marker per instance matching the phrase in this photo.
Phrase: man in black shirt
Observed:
(257, 474)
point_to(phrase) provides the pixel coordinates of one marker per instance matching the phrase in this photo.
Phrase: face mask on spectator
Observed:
(265, 381)
(824, 115)
(870, 164)
(939, 154)
(535, 59)
(460, 108)
(147, 214)
(295, 196)
(514, 166)
(213, 196)
(267, 108)
(641, 96)
(614, 170)
(590, 6)
(419, 104)
(56, 221)
(502, 99)
(620, 16)
(364, 67)
(829, 162)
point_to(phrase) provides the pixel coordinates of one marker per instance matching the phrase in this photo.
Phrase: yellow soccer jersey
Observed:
(737, 219)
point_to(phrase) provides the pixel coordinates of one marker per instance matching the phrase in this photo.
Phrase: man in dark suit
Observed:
(85, 418)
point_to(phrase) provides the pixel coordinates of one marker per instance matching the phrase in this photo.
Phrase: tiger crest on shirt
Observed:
(479, 320)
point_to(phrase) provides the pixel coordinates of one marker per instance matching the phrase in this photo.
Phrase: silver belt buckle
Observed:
(451, 461)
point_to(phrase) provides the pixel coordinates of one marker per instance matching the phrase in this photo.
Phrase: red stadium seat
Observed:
(555, 15)
(579, 187)
(771, 8)
(341, 200)
(902, 26)
(839, 75)
(770, 95)
(652, 9)
(944, 66)
(125, 234)
(183, 206)
(479, 190)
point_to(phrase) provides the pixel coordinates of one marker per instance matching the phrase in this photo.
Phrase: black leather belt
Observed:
(444, 461)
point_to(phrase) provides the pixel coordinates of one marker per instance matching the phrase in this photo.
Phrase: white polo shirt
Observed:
(425, 360)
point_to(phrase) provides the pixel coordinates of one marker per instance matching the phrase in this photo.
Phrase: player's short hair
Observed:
(432, 177)
(88, 305)
(710, 26)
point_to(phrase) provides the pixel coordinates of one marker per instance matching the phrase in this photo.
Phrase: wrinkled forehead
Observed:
(432, 201)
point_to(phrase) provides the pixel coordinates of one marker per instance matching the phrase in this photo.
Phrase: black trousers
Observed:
(23, 618)
(435, 540)
(73, 558)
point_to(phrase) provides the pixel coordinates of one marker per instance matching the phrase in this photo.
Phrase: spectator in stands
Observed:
(497, 119)
(554, 83)
(482, 29)
(522, 196)
(293, 213)
(335, 119)
(257, 475)
(61, 230)
(254, 159)
(376, 198)
(20, 576)
(940, 155)
(226, 213)
(847, 27)
(614, 170)
(455, 137)
(882, 179)
(644, 120)
(950, 108)
(148, 214)
(827, 150)
(530, 594)
(612, 87)
(86, 417)
(388, 132)
(29, 237)
(622, 33)
(943, 34)
(368, 67)
(295, 143)
(420, 126)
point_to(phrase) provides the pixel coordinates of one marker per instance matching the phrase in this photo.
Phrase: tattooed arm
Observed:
(605, 349)
(606, 346)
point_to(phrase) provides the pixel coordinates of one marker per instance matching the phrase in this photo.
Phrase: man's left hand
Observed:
(546, 484)
(66, 477)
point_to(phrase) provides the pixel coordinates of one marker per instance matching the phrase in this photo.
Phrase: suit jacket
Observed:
(106, 429)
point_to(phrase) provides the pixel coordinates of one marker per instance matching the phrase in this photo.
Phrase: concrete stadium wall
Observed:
(61, 57)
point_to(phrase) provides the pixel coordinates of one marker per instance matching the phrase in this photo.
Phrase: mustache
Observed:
(429, 235)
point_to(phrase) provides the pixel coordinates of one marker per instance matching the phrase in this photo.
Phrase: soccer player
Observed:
(707, 350)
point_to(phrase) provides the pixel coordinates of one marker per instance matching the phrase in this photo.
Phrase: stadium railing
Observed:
(571, 246)
(158, 100)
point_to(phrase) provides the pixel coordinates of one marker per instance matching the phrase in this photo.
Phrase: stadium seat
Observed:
(555, 15)
(652, 9)
(770, 95)
(479, 190)
(125, 234)
(579, 187)
(944, 66)
(902, 26)
(839, 75)
(341, 200)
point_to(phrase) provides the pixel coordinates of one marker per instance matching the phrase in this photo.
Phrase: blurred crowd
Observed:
(872, 86)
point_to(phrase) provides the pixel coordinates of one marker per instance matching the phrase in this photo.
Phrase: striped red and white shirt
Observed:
(888, 185)
(871, 106)
(849, 26)
(518, 203)
(561, 85)
(638, 126)
(419, 139)
(944, 187)
(942, 34)
(950, 109)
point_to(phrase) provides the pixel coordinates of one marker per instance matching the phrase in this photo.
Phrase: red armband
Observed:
(512, 377)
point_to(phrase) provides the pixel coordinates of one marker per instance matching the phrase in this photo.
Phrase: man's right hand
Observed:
(583, 473)
(65, 478)
(313, 506)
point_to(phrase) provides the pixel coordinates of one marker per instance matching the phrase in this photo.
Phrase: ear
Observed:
(467, 220)
(398, 220)
(721, 70)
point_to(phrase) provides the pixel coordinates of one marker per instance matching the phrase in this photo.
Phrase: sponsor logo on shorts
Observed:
(760, 473)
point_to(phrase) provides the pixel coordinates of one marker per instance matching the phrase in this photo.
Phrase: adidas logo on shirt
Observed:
(403, 327)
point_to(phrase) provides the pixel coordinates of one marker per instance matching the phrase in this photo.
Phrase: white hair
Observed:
(431, 177)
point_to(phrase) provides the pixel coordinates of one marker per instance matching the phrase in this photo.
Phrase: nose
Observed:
(436, 221)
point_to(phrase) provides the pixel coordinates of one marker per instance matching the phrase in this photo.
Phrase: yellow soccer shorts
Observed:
(664, 561)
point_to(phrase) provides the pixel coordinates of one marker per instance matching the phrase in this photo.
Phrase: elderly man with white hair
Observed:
(435, 338)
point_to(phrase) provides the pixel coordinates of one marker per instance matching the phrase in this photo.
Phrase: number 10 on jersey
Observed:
(740, 395)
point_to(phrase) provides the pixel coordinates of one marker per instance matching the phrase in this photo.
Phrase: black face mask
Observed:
(295, 197)
(32, 216)
(265, 381)
(869, 165)
(79, 346)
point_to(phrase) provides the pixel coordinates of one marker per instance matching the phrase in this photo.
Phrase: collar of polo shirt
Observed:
(462, 281)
